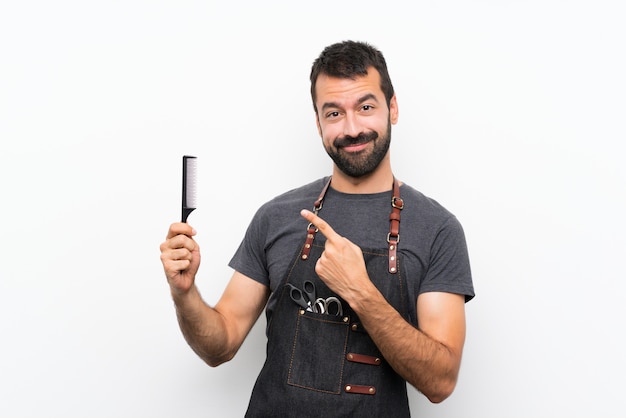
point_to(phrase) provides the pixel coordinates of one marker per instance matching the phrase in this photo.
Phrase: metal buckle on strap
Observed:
(396, 238)
(397, 202)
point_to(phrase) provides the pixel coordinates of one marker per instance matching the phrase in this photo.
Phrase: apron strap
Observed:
(397, 204)
(311, 229)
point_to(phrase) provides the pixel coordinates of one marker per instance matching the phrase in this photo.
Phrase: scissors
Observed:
(307, 300)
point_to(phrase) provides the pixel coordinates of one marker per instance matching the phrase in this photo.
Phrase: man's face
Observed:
(354, 122)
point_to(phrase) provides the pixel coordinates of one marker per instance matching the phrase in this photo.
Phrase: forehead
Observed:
(345, 90)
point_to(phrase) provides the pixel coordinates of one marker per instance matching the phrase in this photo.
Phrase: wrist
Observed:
(183, 297)
(362, 299)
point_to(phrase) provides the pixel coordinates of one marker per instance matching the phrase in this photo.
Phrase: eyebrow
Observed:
(364, 98)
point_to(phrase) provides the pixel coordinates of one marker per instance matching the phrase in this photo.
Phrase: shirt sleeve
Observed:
(449, 265)
(249, 259)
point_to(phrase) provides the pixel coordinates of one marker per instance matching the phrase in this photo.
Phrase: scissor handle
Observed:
(309, 290)
(330, 301)
(324, 306)
(319, 306)
(296, 295)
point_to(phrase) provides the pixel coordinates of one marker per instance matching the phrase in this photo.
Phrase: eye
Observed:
(367, 108)
(332, 115)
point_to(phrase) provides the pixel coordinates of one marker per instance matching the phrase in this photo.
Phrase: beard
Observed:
(364, 162)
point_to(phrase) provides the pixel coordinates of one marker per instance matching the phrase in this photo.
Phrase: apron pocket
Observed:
(319, 352)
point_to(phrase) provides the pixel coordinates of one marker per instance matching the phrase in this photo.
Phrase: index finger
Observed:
(320, 224)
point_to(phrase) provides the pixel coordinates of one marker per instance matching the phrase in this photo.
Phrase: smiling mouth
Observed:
(355, 147)
(357, 143)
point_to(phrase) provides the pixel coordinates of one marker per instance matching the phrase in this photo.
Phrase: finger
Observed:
(175, 260)
(320, 224)
(174, 267)
(180, 254)
(178, 241)
(180, 228)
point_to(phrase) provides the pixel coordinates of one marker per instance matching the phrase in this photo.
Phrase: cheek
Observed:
(382, 122)
(327, 141)
(328, 133)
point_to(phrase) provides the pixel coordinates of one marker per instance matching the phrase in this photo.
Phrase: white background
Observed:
(511, 115)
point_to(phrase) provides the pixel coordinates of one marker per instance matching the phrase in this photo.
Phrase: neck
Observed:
(381, 180)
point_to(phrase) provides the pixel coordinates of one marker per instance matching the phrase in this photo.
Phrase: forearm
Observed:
(427, 364)
(203, 327)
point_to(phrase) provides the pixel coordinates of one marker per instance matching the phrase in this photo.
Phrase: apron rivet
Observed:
(371, 390)
(346, 319)
(355, 327)
(348, 388)
(393, 269)
(304, 256)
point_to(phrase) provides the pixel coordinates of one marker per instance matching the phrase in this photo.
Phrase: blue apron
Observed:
(326, 365)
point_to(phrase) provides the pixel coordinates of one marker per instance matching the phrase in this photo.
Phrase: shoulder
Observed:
(418, 204)
(428, 218)
(302, 197)
(282, 211)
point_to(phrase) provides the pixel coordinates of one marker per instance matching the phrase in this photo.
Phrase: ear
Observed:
(393, 110)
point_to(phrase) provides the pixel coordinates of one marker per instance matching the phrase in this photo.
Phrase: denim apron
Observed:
(326, 365)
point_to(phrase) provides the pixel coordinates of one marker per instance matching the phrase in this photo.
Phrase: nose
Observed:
(351, 126)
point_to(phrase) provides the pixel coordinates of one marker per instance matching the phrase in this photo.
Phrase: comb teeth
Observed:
(190, 165)
(191, 179)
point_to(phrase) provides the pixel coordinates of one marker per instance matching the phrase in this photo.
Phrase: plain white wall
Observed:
(511, 115)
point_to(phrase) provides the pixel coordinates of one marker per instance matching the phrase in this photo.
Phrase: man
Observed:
(399, 312)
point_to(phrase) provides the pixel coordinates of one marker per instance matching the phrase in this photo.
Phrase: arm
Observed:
(215, 334)
(429, 358)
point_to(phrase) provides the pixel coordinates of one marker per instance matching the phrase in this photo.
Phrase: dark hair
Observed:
(351, 59)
